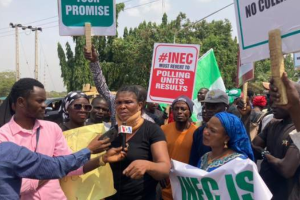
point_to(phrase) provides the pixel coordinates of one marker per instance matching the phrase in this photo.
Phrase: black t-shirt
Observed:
(277, 140)
(139, 149)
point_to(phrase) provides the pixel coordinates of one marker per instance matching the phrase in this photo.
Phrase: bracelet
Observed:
(264, 153)
(101, 162)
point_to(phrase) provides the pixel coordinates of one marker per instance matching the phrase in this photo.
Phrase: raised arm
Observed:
(293, 106)
(100, 81)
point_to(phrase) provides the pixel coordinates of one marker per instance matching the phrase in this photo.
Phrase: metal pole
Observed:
(36, 68)
(17, 55)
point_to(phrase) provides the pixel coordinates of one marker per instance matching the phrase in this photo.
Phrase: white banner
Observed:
(238, 179)
(297, 60)
(255, 18)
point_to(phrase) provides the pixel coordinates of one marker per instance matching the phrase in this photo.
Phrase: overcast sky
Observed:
(27, 11)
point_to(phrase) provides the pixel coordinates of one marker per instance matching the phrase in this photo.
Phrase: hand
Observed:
(244, 109)
(291, 92)
(91, 56)
(136, 169)
(98, 146)
(114, 155)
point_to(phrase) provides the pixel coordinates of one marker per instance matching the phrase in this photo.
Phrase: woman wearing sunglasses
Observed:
(75, 109)
(147, 160)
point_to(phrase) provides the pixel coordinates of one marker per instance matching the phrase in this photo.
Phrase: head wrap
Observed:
(68, 100)
(185, 99)
(260, 101)
(239, 140)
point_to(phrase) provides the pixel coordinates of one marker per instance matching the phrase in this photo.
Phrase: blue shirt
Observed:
(18, 162)
(198, 148)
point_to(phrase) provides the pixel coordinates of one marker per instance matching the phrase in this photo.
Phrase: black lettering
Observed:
(261, 5)
(273, 3)
(267, 4)
(253, 8)
(248, 11)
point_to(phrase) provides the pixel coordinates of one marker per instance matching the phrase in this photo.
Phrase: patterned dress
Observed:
(204, 165)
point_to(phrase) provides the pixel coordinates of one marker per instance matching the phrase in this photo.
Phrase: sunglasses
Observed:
(86, 107)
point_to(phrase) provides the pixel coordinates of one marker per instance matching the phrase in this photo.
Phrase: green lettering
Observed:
(231, 187)
(195, 182)
(244, 185)
(214, 186)
(183, 190)
(191, 193)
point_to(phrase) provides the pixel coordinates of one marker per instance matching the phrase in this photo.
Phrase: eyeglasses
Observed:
(86, 107)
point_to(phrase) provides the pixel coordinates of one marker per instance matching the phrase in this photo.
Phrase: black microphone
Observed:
(123, 129)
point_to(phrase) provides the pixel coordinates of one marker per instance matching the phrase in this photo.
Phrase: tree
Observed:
(127, 60)
(7, 78)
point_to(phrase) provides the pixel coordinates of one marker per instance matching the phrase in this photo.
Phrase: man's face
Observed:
(279, 113)
(151, 107)
(100, 111)
(181, 112)
(210, 109)
(34, 106)
(202, 94)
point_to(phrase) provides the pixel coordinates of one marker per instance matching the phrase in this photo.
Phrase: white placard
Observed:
(255, 18)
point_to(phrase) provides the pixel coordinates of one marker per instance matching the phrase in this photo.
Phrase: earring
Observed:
(225, 145)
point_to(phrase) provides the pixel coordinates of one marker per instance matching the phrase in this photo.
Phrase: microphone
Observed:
(123, 130)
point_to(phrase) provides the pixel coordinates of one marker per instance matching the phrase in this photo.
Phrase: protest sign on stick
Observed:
(173, 72)
(73, 14)
(255, 18)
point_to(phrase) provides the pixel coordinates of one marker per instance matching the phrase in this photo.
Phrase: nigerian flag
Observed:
(208, 74)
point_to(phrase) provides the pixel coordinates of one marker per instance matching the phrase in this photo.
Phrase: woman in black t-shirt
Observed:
(147, 160)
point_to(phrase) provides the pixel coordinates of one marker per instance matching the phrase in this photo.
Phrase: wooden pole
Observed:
(277, 64)
(245, 92)
(17, 55)
(88, 37)
(36, 63)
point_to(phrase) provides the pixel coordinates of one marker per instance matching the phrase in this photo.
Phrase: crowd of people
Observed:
(34, 152)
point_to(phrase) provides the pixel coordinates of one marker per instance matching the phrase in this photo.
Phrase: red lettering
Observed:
(182, 58)
(189, 59)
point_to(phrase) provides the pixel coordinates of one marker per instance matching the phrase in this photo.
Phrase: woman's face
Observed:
(127, 105)
(79, 110)
(214, 134)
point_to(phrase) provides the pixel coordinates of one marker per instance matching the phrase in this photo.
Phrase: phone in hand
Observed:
(111, 134)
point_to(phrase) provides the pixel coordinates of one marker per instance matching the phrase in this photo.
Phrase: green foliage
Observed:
(54, 94)
(7, 78)
(127, 59)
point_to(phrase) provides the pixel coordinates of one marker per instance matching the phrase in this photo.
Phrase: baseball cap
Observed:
(216, 96)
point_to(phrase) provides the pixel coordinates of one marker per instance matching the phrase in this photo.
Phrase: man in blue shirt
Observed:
(18, 162)
(215, 101)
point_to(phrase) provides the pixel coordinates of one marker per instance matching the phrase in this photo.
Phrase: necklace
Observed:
(210, 159)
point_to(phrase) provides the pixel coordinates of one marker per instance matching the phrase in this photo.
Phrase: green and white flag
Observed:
(208, 74)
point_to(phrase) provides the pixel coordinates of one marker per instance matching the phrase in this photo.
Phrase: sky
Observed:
(31, 12)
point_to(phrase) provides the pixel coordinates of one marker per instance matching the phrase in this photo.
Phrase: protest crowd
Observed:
(177, 139)
(35, 152)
